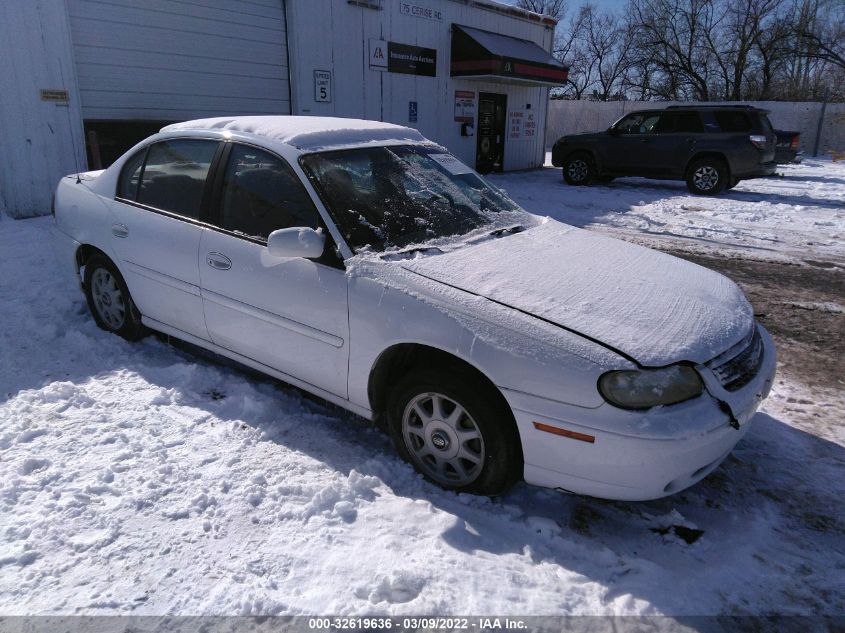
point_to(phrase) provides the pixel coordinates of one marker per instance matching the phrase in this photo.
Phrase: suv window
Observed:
(261, 194)
(733, 121)
(680, 122)
(173, 178)
(638, 123)
(130, 176)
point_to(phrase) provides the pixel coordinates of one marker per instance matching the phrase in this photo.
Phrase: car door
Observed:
(627, 150)
(156, 230)
(289, 314)
(676, 139)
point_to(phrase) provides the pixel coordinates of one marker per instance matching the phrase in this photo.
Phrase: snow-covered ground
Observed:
(141, 478)
(799, 215)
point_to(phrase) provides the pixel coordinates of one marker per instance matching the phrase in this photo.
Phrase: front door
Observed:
(492, 116)
(289, 314)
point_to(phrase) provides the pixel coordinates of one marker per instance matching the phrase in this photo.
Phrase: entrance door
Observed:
(492, 115)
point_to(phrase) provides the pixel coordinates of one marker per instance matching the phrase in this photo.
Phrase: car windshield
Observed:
(385, 198)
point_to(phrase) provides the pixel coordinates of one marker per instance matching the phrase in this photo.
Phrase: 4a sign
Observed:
(323, 86)
(378, 54)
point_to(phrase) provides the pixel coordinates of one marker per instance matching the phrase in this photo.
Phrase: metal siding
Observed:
(177, 59)
(343, 31)
(41, 141)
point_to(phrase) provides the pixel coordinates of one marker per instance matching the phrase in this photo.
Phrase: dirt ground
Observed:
(802, 306)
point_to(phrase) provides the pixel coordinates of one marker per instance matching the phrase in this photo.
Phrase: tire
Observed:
(733, 183)
(578, 169)
(109, 299)
(707, 176)
(475, 449)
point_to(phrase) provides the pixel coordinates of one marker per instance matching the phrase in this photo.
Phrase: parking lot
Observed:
(146, 479)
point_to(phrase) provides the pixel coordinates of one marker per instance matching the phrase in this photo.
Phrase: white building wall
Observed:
(40, 141)
(334, 35)
(169, 60)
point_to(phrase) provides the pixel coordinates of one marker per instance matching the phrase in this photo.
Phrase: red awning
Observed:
(478, 54)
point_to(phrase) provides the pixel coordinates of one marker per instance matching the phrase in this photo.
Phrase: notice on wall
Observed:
(412, 112)
(529, 125)
(464, 106)
(378, 54)
(420, 11)
(55, 95)
(516, 119)
(322, 86)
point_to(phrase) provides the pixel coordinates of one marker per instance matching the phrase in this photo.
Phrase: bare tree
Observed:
(552, 8)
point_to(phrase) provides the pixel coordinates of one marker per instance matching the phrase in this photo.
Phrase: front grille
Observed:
(742, 363)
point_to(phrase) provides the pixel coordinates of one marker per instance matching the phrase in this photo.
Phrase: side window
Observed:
(679, 122)
(638, 123)
(262, 194)
(130, 175)
(733, 121)
(174, 176)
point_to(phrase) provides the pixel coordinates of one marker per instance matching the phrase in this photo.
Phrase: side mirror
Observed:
(296, 242)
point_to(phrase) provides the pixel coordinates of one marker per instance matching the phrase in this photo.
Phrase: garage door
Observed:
(170, 60)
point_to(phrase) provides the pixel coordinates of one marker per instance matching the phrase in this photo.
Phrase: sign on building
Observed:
(58, 96)
(412, 112)
(420, 11)
(411, 60)
(529, 126)
(378, 54)
(515, 124)
(464, 106)
(322, 86)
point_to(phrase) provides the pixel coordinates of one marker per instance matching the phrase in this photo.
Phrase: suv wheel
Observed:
(707, 176)
(109, 299)
(455, 432)
(578, 169)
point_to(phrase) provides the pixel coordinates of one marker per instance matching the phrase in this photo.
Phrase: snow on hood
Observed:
(308, 132)
(656, 308)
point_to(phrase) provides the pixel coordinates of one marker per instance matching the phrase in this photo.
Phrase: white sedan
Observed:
(365, 264)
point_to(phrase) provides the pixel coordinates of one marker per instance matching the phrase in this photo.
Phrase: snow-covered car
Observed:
(365, 264)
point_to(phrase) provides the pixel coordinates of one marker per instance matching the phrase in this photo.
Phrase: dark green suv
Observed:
(711, 147)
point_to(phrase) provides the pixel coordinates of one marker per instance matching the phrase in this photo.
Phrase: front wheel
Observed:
(578, 169)
(707, 177)
(109, 299)
(456, 431)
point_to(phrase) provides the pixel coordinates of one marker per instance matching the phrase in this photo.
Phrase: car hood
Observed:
(583, 137)
(654, 308)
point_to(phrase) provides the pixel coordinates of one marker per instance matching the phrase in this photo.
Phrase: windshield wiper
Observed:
(507, 230)
(410, 252)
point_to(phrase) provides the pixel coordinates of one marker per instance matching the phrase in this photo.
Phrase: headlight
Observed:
(644, 388)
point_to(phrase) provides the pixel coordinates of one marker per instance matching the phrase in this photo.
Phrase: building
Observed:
(83, 80)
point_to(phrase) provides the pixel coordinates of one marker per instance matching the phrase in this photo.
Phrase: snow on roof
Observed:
(308, 132)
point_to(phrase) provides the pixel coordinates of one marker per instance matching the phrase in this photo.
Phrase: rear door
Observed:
(156, 231)
(677, 137)
(288, 314)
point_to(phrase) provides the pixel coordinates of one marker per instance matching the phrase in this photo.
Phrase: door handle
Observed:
(218, 261)
(120, 230)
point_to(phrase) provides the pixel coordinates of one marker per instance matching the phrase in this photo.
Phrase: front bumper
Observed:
(637, 455)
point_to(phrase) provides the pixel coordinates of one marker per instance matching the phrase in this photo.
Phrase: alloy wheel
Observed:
(705, 177)
(443, 439)
(108, 299)
(578, 169)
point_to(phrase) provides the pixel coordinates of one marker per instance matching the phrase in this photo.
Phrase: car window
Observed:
(130, 175)
(262, 194)
(174, 175)
(733, 121)
(680, 123)
(638, 123)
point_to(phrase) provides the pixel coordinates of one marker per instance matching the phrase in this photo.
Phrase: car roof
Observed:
(307, 133)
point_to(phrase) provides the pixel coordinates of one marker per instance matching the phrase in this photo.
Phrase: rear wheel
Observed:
(109, 299)
(579, 169)
(732, 183)
(707, 176)
(455, 431)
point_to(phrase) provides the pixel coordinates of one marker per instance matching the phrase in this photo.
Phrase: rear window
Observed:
(174, 176)
(680, 122)
(733, 121)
